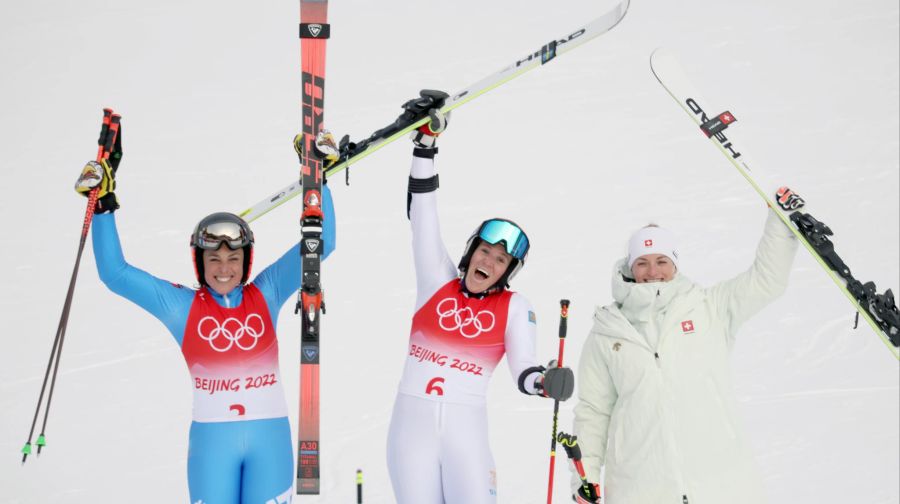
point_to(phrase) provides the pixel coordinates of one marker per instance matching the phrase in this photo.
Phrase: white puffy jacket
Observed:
(666, 408)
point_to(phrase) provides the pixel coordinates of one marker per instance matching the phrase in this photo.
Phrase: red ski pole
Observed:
(108, 132)
(570, 444)
(563, 326)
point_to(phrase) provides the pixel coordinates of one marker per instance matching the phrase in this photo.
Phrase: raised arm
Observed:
(168, 302)
(433, 265)
(766, 279)
(280, 280)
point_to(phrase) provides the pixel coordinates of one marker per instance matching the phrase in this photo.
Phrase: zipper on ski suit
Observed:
(655, 327)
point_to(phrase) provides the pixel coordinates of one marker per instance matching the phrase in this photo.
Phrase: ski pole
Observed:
(563, 325)
(359, 486)
(108, 132)
(573, 451)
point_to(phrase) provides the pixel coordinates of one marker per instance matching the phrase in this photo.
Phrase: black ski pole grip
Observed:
(570, 444)
(104, 128)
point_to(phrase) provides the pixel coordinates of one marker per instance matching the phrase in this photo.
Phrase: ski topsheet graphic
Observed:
(314, 33)
(351, 152)
(879, 310)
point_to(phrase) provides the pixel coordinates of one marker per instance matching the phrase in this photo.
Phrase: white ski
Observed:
(544, 54)
(715, 123)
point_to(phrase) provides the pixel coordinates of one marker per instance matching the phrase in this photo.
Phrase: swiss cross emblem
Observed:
(727, 118)
(687, 326)
(648, 243)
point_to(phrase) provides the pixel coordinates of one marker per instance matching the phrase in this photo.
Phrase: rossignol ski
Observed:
(314, 32)
(413, 117)
(879, 310)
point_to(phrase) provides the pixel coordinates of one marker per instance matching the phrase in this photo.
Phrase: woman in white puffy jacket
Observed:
(655, 401)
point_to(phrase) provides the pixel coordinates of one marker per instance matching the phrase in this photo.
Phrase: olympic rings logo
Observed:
(470, 325)
(234, 332)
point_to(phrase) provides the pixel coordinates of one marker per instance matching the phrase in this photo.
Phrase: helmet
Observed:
(494, 231)
(217, 229)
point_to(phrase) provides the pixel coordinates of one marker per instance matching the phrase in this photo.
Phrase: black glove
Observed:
(556, 382)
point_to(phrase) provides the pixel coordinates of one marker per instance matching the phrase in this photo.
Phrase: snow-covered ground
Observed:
(581, 152)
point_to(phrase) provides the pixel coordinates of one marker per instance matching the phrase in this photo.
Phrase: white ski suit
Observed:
(655, 400)
(438, 450)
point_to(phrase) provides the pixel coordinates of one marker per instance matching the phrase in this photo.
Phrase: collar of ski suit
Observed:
(647, 301)
(481, 295)
(230, 300)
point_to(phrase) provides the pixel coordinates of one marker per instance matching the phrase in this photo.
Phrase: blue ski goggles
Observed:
(495, 231)
(212, 235)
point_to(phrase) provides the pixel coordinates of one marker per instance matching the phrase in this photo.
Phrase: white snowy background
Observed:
(581, 152)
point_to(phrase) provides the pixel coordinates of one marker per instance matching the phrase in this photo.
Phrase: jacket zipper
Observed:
(684, 497)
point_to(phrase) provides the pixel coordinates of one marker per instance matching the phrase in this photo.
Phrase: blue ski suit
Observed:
(245, 457)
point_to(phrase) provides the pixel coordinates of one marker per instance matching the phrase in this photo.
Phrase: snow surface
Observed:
(581, 152)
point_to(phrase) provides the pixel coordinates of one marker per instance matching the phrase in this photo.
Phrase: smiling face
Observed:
(223, 268)
(653, 268)
(487, 265)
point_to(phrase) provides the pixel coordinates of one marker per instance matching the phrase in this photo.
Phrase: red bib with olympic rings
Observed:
(455, 343)
(232, 355)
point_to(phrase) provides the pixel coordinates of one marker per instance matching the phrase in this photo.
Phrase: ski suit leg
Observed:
(214, 463)
(467, 465)
(245, 462)
(268, 462)
(413, 451)
(438, 453)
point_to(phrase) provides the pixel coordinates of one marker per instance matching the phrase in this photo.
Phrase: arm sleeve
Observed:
(281, 279)
(170, 303)
(597, 398)
(738, 299)
(520, 341)
(433, 265)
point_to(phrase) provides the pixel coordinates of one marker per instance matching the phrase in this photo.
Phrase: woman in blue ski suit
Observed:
(240, 447)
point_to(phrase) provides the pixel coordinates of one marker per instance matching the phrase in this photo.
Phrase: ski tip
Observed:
(618, 12)
(659, 54)
(663, 61)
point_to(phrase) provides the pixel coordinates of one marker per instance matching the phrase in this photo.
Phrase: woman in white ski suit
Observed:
(655, 383)
(466, 319)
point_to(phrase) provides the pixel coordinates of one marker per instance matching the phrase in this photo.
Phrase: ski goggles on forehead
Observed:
(513, 238)
(212, 236)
